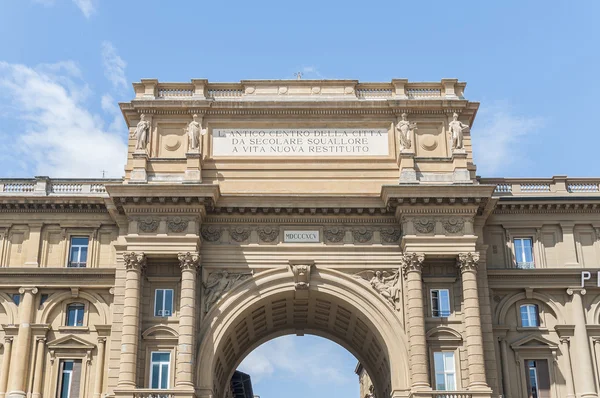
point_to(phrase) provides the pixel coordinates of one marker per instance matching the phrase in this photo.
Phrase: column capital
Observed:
(580, 291)
(412, 262)
(41, 339)
(135, 261)
(189, 261)
(8, 339)
(31, 289)
(101, 340)
(565, 340)
(467, 262)
(596, 340)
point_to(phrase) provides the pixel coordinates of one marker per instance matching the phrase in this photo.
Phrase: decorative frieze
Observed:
(267, 233)
(239, 233)
(453, 225)
(334, 234)
(424, 225)
(362, 234)
(177, 224)
(211, 233)
(148, 224)
(390, 234)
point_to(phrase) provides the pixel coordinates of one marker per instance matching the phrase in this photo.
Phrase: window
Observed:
(533, 379)
(75, 313)
(159, 370)
(69, 379)
(538, 378)
(16, 298)
(78, 252)
(530, 316)
(524, 252)
(445, 373)
(163, 302)
(440, 302)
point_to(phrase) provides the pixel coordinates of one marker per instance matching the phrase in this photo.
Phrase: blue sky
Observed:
(64, 64)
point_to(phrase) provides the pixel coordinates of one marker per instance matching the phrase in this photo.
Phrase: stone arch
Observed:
(9, 307)
(540, 298)
(56, 299)
(338, 307)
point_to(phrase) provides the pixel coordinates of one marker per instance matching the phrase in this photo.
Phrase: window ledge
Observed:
(535, 329)
(73, 329)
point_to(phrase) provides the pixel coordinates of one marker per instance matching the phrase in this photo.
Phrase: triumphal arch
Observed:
(342, 209)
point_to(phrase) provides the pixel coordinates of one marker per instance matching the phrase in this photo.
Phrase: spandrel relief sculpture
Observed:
(142, 134)
(405, 129)
(457, 129)
(386, 283)
(194, 133)
(220, 282)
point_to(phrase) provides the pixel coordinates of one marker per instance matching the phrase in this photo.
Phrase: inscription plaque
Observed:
(300, 142)
(301, 237)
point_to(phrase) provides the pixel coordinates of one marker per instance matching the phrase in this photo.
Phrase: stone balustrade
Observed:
(447, 394)
(44, 186)
(555, 186)
(150, 393)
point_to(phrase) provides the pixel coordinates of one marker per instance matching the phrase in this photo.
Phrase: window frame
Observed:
(445, 373)
(528, 371)
(537, 316)
(87, 259)
(169, 365)
(524, 264)
(155, 313)
(431, 290)
(86, 311)
(83, 313)
(61, 372)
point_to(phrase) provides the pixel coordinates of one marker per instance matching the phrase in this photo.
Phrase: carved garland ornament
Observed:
(334, 234)
(424, 225)
(210, 233)
(189, 261)
(453, 224)
(148, 224)
(362, 234)
(177, 224)
(134, 261)
(267, 233)
(390, 234)
(239, 234)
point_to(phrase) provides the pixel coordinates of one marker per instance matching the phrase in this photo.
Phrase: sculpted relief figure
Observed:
(142, 133)
(405, 128)
(456, 130)
(194, 132)
(219, 283)
(385, 283)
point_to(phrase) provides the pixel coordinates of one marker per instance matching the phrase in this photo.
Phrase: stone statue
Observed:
(142, 132)
(219, 283)
(194, 132)
(456, 129)
(385, 283)
(405, 128)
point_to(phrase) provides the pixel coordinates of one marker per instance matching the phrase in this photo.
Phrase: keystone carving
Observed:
(177, 224)
(424, 225)
(301, 273)
(390, 234)
(189, 261)
(267, 233)
(239, 234)
(412, 262)
(148, 224)
(334, 234)
(453, 224)
(467, 262)
(211, 233)
(134, 261)
(220, 282)
(386, 283)
(362, 234)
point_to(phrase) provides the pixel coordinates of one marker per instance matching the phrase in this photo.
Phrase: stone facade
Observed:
(337, 208)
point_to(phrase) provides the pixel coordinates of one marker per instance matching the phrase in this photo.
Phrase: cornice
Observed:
(58, 277)
(266, 219)
(52, 206)
(513, 278)
(547, 208)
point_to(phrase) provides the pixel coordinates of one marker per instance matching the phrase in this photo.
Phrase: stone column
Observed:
(568, 371)
(39, 368)
(99, 368)
(597, 356)
(5, 365)
(505, 368)
(584, 377)
(184, 376)
(20, 364)
(412, 264)
(135, 263)
(467, 262)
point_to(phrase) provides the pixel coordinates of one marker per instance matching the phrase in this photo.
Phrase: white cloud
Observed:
(316, 362)
(311, 72)
(54, 134)
(87, 7)
(114, 66)
(109, 105)
(500, 134)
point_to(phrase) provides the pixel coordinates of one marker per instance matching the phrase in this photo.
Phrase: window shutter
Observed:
(76, 380)
(543, 378)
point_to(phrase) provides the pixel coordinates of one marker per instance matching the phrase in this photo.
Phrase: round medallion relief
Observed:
(283, 90)
(428, 142)
(172, 143)
(349, 90)
(316, 90)
(250, 90)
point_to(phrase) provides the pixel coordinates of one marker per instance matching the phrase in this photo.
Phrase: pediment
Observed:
(443, 333)
(160, 332)
(70, 342)
(533, 342)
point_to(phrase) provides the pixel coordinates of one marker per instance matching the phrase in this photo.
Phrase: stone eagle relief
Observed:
(386, 283)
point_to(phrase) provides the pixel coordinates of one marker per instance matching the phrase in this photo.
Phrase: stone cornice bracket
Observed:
(135, 261)
(189, 261)
(467, 262)
(32, 289)
(412, 262)
(301, 270)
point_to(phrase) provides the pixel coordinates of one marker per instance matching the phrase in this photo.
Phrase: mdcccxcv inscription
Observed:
(301, 237)
(300, 142)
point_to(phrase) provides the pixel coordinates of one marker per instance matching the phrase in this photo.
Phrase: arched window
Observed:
(530, 316)
(75, 313)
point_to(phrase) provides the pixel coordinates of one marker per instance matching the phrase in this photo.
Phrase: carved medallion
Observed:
(239, 234)
(453, 224)
(390, 234)
(177, 224)
(334, 234)
(267, 233)
(362, 234)
(211, 233)
(148, 224)
(424, 225)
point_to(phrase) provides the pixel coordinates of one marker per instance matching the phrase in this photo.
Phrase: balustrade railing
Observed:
(443, 394)
(424, 92)
(18, 187)
(47, 186)
(374, 93)
(175, 92)
(555, 186)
